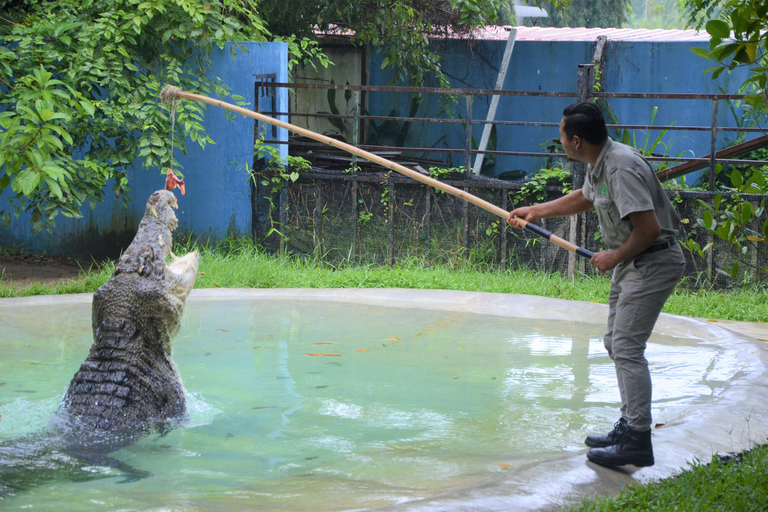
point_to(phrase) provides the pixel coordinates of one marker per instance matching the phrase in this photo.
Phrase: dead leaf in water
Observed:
(326, 343)
(505, 466)
(659, 425)
(362, 350)
(222, 330)
(323, 355)
(394, 338)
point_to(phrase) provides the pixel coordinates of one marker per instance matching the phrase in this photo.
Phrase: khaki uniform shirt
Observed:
(623, 182)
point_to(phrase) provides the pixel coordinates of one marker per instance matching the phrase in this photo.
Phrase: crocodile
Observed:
(128, 385)
(129, 380)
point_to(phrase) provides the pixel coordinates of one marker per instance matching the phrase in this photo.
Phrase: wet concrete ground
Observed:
(734, 422)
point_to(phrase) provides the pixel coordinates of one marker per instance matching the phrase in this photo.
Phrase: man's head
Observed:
(582, 131)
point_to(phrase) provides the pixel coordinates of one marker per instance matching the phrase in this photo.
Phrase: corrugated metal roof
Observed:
(494, 32)
(590, 34)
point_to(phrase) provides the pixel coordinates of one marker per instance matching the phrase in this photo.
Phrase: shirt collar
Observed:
(597, 170)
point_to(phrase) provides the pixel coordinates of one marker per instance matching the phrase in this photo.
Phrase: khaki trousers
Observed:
(639, 289)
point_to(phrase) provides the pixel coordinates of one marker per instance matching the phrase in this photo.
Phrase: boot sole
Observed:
(610, 462)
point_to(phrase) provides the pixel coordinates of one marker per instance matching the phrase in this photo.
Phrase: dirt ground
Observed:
(22, 270)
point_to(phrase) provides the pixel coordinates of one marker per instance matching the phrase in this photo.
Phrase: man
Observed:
(639, 226)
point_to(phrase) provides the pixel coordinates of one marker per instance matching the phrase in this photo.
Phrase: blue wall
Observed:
(218, 199)
(638, 67)
(218, 196)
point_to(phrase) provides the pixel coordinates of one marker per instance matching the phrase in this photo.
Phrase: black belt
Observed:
(660, 247)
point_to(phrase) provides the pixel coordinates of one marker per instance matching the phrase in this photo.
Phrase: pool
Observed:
(360, 399)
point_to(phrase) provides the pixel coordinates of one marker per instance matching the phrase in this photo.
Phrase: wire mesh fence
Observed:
(360, 212)
(382, 218)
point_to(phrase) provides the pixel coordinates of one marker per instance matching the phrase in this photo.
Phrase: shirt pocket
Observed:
(610, 221)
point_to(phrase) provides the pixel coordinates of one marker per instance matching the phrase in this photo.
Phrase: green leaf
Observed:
(54, 171)
(736, 178)
(751, 52)
(64, 134)
(54, 186)
(708, 222)
(26, 182)
(718, 29)
(746, 212)
(87, 107)
(703, 53)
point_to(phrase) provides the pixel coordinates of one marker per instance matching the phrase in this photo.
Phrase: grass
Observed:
(737, 485)
(242, 265)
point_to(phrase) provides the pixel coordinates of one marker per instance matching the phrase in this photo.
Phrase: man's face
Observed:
(570, 146)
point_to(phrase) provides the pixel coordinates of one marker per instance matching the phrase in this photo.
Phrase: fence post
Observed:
(353, 220)
(391, 222)
(468, 165)
(355, 125)
(713, 148)
(584, 83)
(468, 136)
(283, 217)
(465, 226)
(712, 185)
(428, 220)
(503, 248)
(318, 217)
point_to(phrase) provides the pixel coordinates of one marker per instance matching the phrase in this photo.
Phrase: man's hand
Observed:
(645, 229)
(604, 261)
(525, 213)
(570, 204)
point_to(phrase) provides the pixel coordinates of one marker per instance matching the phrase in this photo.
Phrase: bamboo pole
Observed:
(171, 93)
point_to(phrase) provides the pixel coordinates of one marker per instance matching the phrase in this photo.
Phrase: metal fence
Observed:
(372, 215)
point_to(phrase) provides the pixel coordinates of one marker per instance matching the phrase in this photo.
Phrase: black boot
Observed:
(610, 438)
(632, 447)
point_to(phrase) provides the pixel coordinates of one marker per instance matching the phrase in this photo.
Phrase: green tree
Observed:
(738, 33)
(655, 14)
(80, 82)
(80, 78)
(585, 13)
(400, 28)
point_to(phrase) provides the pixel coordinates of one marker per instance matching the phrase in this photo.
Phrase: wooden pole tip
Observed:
(169, 94)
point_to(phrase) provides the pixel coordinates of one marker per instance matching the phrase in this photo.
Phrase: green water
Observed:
(308, 405)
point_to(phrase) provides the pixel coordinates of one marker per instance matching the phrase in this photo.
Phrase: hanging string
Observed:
(171, 180)
(174, 103)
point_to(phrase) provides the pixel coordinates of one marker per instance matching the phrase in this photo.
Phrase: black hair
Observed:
(585, 120)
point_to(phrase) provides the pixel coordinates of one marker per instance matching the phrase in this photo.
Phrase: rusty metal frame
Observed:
(712, 159)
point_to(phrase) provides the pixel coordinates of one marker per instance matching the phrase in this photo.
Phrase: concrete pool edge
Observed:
(735, 422)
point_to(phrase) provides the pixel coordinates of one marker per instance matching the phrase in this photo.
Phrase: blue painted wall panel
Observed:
(638, 67)
(218, 197)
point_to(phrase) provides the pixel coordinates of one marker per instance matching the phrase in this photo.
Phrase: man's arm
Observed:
(645, 229)
(571, 204)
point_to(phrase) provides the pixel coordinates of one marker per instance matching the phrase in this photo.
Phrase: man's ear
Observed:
(576, 142)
